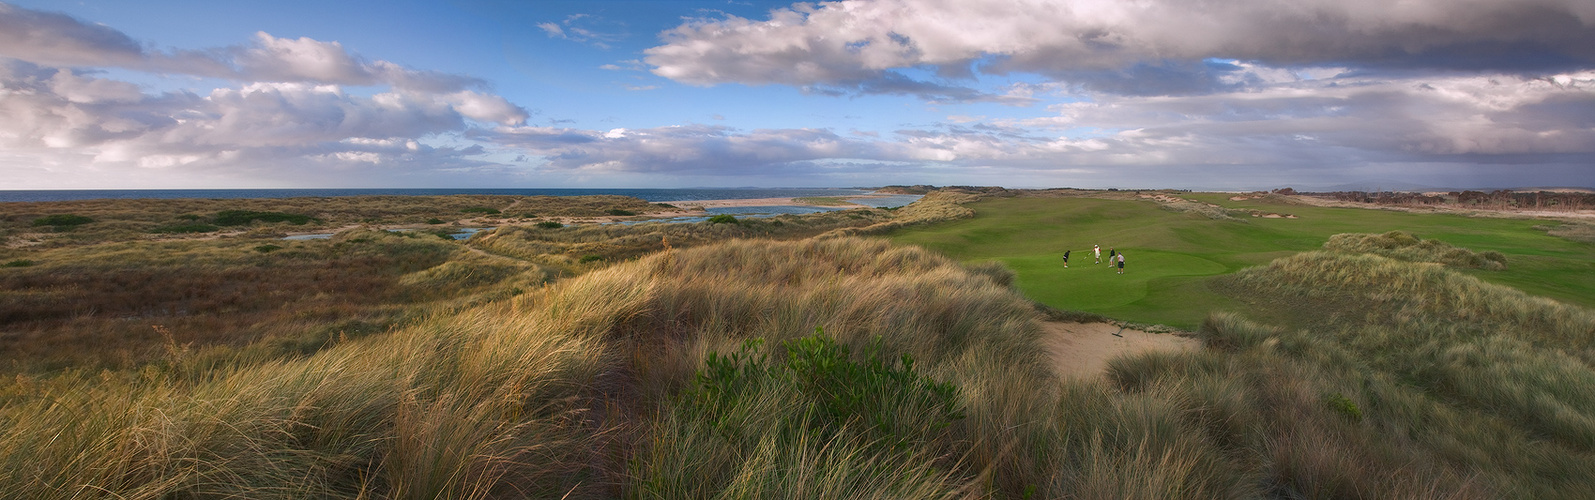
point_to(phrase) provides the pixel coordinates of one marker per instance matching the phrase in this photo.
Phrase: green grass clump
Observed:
(267, 248)
(619, 212)
(871, 395)
(197, 227)
(1344, 406)
(590, 258)
(480, 210)
(548, 224)
(722, 219)
(18, 263)
(246, 217)
(434, 220)
(61, 220)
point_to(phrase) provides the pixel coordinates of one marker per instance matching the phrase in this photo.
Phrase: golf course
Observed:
(1171, 258)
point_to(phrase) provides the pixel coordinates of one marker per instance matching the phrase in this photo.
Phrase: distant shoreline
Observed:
(650, 195)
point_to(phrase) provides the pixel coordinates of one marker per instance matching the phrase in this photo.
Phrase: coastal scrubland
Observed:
(804, 357)
(68, 223)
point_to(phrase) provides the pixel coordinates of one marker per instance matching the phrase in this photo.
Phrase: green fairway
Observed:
(1169, 257)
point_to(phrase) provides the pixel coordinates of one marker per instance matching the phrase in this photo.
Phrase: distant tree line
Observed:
(1500, 198)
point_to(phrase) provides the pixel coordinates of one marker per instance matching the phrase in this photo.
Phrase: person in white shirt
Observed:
(1097, 250)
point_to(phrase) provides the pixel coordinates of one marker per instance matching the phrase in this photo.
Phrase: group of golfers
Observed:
(1114, 257)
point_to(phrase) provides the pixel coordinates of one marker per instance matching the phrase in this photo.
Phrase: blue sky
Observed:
(679, 93)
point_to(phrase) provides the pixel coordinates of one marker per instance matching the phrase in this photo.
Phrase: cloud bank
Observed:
(291, 108)
(856, 41)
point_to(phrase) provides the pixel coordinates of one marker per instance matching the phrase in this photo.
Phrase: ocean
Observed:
(652, 195)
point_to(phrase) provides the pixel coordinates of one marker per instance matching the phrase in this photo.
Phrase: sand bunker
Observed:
(1083, 349)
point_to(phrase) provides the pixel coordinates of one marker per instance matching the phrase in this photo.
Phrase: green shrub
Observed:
(246, 217)
(196, 227)
(548, 224)
(189, 217)
(665, 205)
(434, 220)
(61, 220)
(480, 210)
(18, 263)
(619, 212)
(723, 219)
(267, 248)
(591, 258)
(1344, 406)
(888, 400)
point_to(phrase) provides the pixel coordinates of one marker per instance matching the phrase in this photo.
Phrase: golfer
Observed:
(1098, 251)
(1120, 258)
(1111, 253)
(1065, 258)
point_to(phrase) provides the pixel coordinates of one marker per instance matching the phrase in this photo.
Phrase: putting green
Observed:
(1171, 257)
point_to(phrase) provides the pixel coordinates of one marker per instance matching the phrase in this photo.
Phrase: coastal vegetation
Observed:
(862, 353)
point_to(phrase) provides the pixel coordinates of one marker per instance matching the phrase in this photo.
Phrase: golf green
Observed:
(1170, 257)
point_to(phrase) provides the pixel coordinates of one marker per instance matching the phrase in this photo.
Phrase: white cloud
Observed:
(584, 28)
(553, 30)
(56, 40)
(1117, 42)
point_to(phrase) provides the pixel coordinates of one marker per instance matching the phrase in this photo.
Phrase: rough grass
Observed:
(536, 396)
(115, 305)
(129, 219)
(1468, 377)
(1402, 245)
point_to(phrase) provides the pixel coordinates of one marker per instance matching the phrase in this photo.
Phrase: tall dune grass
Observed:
(1400, 380)
(1402, 245)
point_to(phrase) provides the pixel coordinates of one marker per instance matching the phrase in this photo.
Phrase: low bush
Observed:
(887, 401)
(61, 220)
(548, 224)
(246, 217)
(18, 263)
(619, 212)
(723, 219)
(480, 210)
(267, 248)
(196, 227)
(434, 220)
(590, 258)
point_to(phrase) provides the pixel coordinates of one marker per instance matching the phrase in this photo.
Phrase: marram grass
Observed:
(1403, 380)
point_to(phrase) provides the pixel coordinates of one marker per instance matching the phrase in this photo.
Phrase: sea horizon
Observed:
(646, 194)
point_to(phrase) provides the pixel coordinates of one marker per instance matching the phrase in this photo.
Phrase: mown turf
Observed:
(1171, 256)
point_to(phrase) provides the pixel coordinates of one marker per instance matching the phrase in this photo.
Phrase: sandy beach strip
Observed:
(764, 202)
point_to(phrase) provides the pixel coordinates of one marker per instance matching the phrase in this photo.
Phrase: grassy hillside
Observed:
(1170, 256)
(1382, 366)
(577, 388)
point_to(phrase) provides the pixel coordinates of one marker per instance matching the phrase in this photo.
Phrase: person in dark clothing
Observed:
(1065, 258)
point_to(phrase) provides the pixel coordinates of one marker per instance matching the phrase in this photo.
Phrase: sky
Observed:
(1195, 94)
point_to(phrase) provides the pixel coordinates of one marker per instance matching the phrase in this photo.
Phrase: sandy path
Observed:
(1083, 349)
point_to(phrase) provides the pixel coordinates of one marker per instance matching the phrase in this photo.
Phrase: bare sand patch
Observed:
(1083, 349)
